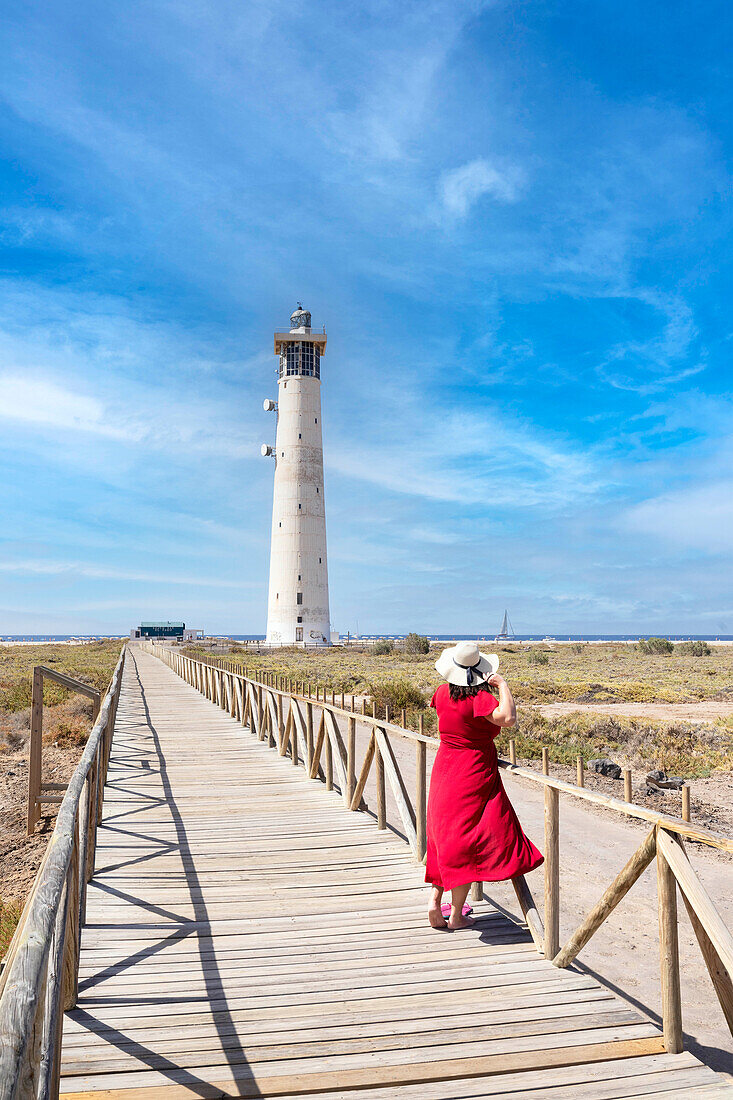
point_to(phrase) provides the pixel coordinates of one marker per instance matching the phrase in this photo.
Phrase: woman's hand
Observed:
(506, 712)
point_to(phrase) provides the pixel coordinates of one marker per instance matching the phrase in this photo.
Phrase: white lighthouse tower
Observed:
(297, 611)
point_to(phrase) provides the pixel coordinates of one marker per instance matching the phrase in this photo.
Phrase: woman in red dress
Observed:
(474, 834)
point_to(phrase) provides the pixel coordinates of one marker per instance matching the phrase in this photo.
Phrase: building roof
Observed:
(168, 623)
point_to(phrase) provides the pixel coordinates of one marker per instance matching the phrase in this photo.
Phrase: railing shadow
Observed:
(231, 1046)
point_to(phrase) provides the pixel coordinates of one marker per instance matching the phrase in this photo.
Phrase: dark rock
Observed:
(667, 783)
(603, 766)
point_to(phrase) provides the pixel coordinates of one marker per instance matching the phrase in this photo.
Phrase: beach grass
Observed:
(578, 673)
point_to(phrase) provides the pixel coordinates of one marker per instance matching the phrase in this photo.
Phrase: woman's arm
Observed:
(506, 712)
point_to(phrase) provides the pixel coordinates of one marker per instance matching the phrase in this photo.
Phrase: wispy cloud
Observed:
(76, 569)
(460, 188)
(698, 518)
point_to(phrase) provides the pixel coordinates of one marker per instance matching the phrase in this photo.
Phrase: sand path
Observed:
(706, 711)
(594, 846)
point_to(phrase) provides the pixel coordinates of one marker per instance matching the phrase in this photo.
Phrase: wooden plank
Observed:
(698, 898)
(669, 955)
(250, 1084)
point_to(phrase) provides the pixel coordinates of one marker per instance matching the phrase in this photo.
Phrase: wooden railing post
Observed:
(73, 931)
(669, 956)
(552, 872)
(34, 762)
(579, 771)
(329, 759)
(308, 734)
(350, 761)
(381, 790)
(421, 798)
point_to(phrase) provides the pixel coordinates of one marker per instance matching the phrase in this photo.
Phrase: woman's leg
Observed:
(434, 914)
(458, 900)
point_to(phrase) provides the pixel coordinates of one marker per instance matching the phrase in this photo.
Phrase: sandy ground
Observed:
(20, 854)
(707, 711)
(595, 843)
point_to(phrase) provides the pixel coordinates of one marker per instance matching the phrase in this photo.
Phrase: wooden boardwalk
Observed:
(248, 936)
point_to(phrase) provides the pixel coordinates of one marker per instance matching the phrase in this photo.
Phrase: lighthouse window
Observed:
(299, 435)
(300, 618)
(292, 356)
(299, 597)
(299, 507)
(306, 358)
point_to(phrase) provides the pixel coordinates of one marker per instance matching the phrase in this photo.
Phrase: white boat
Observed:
(506, 630)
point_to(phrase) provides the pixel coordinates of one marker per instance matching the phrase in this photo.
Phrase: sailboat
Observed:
(506, 630)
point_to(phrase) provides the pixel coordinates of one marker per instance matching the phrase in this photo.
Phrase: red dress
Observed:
(474, 834)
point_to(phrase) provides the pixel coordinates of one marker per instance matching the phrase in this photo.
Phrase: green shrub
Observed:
(416, 643)
(693, 649)
(396, 694)
(384, 645)
(537, 657)
(655, 645)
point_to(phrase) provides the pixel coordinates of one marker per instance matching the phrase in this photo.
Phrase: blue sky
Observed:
(514, 220)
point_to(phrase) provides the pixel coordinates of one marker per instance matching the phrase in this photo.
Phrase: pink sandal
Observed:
(445, 909)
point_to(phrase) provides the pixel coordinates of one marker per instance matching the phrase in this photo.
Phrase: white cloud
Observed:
(35, 401)
(697, 518)
(35, 568)
(461, 187)
(470, 459)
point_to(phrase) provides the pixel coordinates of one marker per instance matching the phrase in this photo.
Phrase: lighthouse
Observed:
(297, 611)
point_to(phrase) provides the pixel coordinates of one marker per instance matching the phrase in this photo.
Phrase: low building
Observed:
(159, 630)
(193, 634)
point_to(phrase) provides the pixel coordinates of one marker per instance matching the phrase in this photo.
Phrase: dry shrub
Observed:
(10, 911)
(14, 730)
(396, 694)
(675, 747)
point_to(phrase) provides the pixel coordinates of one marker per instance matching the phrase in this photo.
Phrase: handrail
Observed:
(286, 719)
(40, 972)
(629, 809)
(36, 787)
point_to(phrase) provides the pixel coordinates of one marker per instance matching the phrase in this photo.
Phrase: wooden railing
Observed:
(36, 787)
(288, 716)
(39, 979)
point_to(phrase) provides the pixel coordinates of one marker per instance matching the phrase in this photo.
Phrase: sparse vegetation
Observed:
(655, 645)
(588, 674)
(416, 643)
(382, 647)
(9, 917)
(693, 649)
(679, 748)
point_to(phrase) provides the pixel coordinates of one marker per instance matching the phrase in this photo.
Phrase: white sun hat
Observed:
(464, 666)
